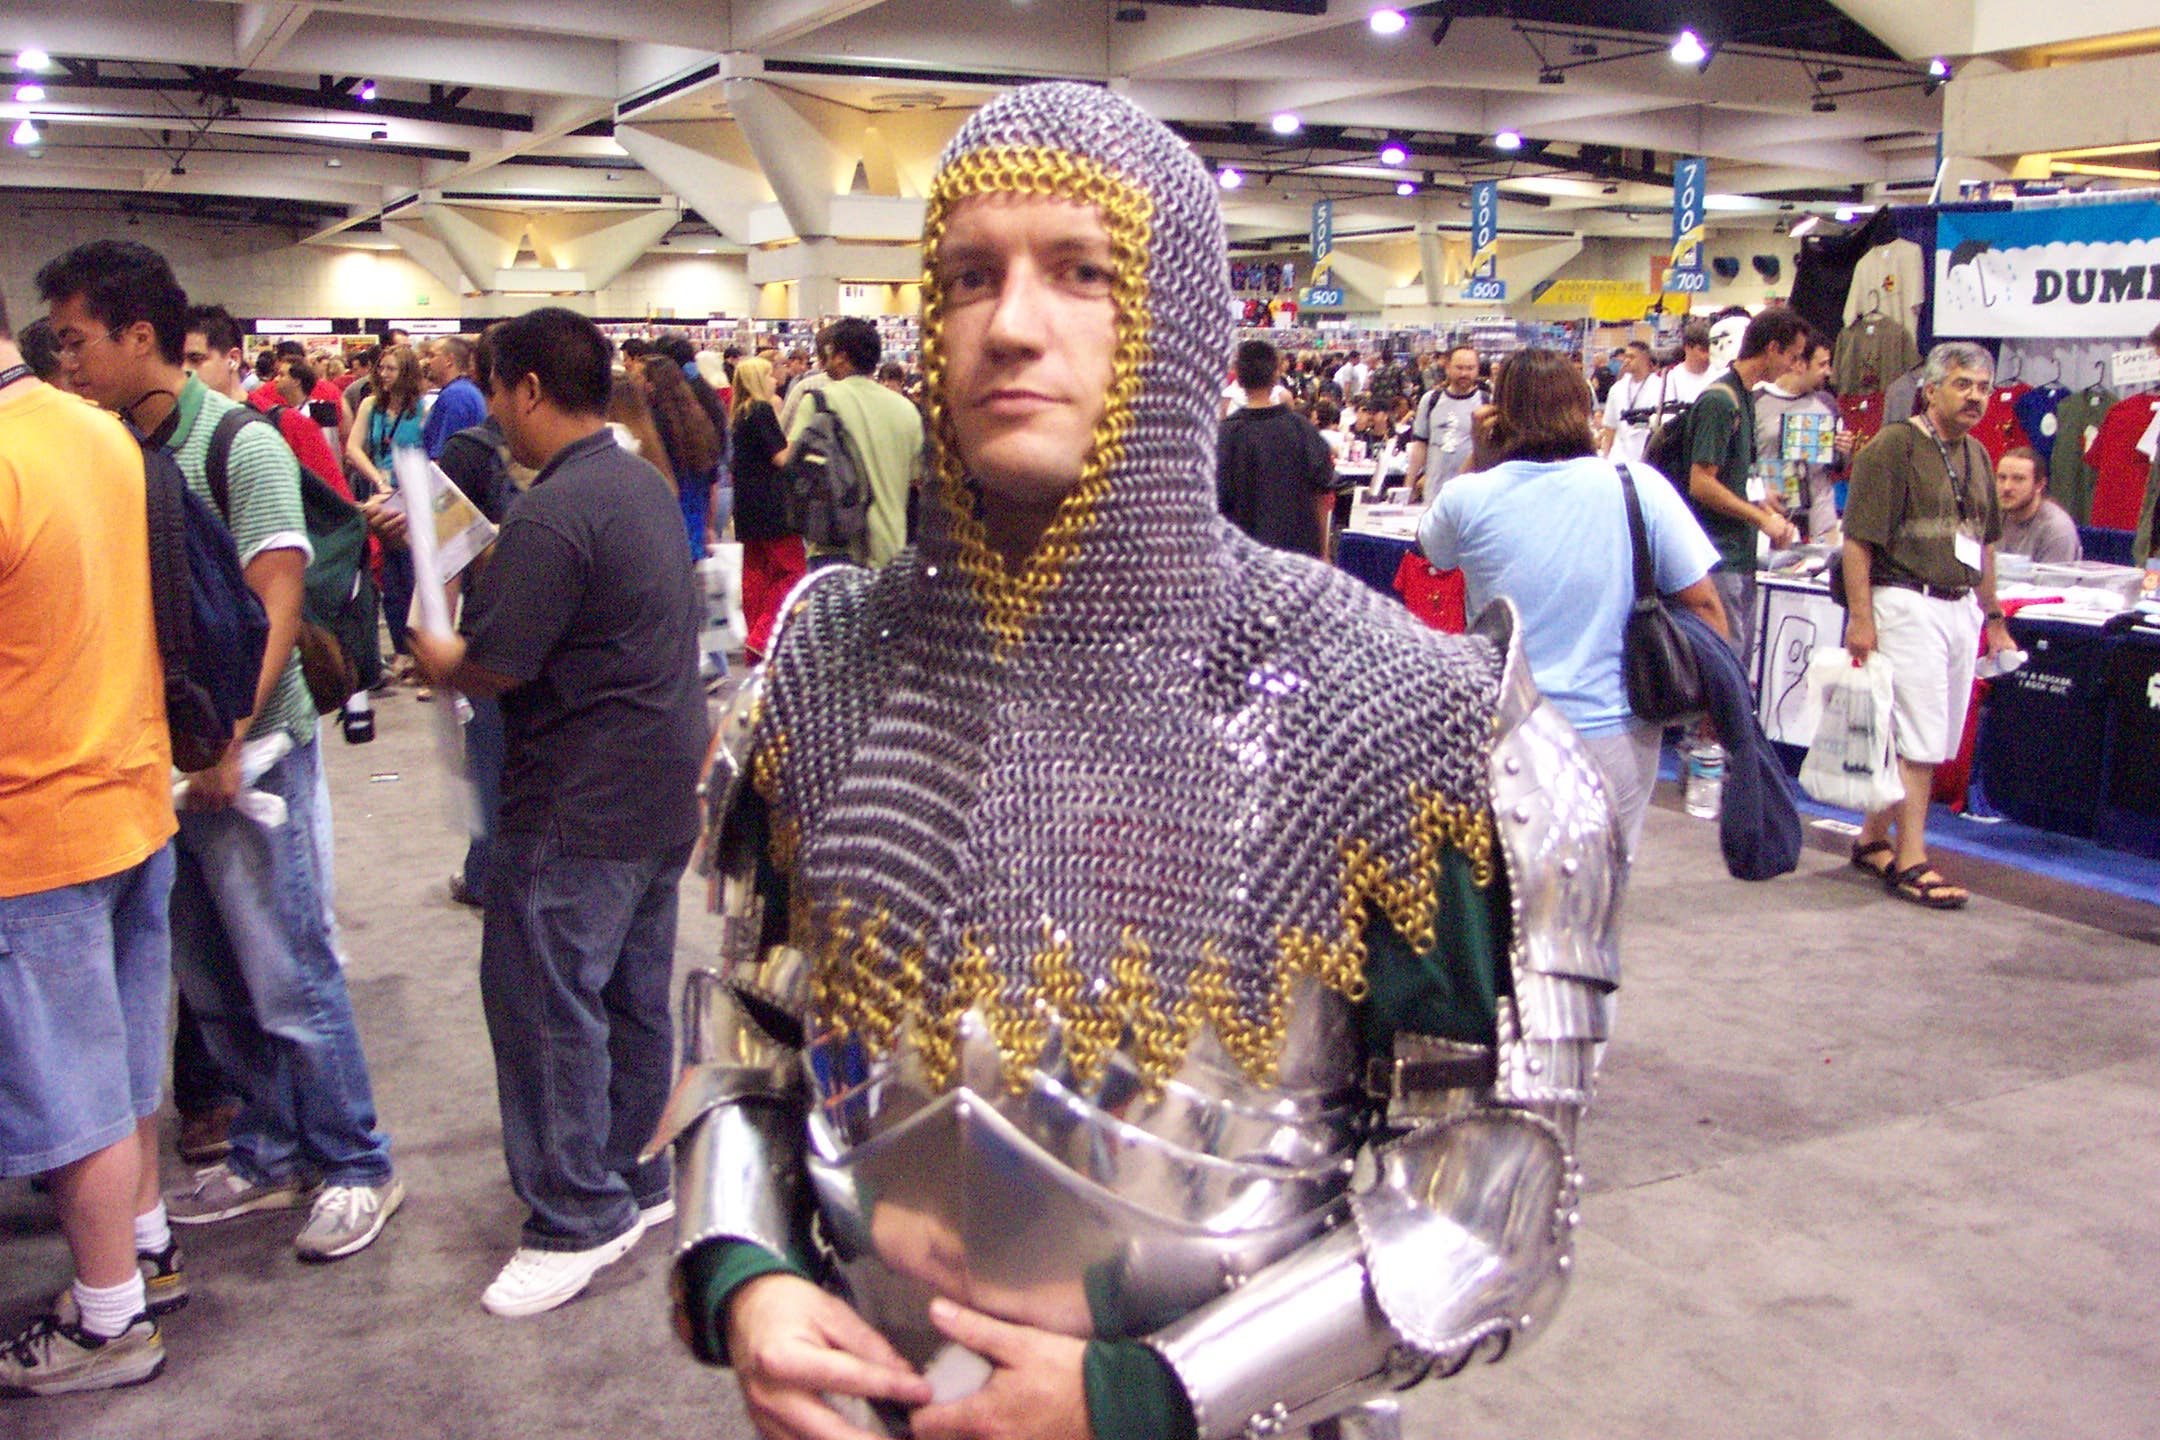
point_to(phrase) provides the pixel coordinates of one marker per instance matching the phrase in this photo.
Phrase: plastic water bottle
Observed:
(1705, 781)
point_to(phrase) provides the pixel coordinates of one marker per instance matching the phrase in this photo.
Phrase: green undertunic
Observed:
(1449, 992)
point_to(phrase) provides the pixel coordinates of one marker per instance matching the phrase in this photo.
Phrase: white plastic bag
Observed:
(1852, 761)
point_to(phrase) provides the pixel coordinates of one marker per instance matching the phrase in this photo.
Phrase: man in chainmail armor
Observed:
(1099, 884)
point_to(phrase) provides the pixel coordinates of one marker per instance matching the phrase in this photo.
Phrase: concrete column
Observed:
(1432, 262)
(430, 254)
(708, 164)
(603, 244)
(483, 241)
(808, 148)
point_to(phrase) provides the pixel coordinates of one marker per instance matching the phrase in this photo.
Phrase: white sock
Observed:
(108, 1312)
(152, 1234)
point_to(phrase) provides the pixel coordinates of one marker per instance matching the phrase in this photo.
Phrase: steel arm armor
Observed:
(1461, 1246)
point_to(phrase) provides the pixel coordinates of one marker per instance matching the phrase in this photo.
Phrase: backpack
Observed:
(825, 489)
(1670, 444)
(340, 607)
(211, 629)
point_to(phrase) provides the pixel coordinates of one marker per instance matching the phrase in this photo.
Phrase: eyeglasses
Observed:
(71, 348)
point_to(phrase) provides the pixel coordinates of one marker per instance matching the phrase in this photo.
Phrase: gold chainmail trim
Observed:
(863, 988)
(1010, 602)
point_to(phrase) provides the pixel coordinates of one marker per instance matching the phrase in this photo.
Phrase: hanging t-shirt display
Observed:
(1890, 280)
(1904, 397)
(2118, 464)
(1871, 352)
(1998, 431)
(2070, 476)
(1863, 415)
(2036, 417)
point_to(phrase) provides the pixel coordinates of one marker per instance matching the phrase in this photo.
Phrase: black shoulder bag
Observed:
(1664, 684)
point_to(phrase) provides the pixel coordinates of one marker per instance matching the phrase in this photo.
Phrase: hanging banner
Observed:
(2091, 270)
(1690, 189)
(1484, 229)
(1323, 241)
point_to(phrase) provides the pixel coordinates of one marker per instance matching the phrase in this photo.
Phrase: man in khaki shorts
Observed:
(1921, 524)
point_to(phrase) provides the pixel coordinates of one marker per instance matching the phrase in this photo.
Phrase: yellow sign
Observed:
(1609, 300)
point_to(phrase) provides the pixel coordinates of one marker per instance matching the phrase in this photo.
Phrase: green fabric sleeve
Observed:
(1450, 991)
(1710, 428)
(1133, 1395)
(710, 1275)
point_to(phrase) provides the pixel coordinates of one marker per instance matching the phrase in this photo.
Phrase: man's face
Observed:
(1811, 374)
(435, 362)
(2017, 486)
(1030, 333)
(288, 389)
(515, 408)
(1779, 361)
(1695, 357)
(220, 370)
(109, 367)
(1958, 400)
(1637, 362)
(1462, 371)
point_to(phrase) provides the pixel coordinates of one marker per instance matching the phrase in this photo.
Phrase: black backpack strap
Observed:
(217, 463)
(1645, 578)
(168, 560)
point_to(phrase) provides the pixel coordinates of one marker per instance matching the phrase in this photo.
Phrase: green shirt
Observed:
(886, 431)
(1904, 504)
(1721, 432)
(262, 483)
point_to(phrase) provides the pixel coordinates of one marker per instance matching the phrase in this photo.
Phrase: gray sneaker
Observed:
(54, 1355)
(165, 1286)
(219, 1194)
(347, 1218)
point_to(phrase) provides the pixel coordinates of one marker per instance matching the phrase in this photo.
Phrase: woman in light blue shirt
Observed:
(1541, 520)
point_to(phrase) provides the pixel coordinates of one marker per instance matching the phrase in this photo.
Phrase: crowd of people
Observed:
(1025, 627)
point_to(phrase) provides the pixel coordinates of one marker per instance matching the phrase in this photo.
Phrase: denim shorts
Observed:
(85, 971)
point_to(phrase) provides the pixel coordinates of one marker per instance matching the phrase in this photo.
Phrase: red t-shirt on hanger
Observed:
(1998, 431)
(1862, 414)
(2119, 485)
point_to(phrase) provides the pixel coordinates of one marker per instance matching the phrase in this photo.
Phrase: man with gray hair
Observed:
(1921, 525)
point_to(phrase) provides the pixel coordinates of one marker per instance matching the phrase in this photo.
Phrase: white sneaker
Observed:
(659, 1213)
(537, 1280)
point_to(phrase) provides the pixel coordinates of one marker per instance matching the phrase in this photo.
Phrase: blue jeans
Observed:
(254, 958)
(484, 764)
(397, 595)
(575, 958)
(84, 975)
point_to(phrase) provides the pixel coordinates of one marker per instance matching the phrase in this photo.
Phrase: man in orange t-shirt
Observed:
(85, 872)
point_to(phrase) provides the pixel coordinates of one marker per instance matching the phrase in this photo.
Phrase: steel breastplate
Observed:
(1106, 1209)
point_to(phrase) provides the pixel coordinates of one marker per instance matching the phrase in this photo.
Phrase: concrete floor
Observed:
(1858, 1170)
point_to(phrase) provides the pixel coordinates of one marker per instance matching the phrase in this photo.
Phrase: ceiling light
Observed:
(29, 94)
(1584, 49)
(1824, 105)
(378, 135)
(1939, 68)
(1387, 22)
(1229, 177)
(1688, 49)
(333, 163)
(1550, 76)
(367, 89)
(32, 60)
(1831, 76)
(26, 133)
(1609, 189)
(1507, 140)
(1805, 226)
(707, 250)
(1846, 214)
(614, 175)
(1406, 187)
(1393, 153)
(1130, 14)
(1286, 123)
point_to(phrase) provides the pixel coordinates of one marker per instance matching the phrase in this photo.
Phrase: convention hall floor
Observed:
(1858, 1170)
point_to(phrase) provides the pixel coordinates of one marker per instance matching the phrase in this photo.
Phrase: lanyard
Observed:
(1958, 482)
(14, 373)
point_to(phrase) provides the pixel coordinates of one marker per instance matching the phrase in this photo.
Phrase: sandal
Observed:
(1862, 862)
(1920, 885)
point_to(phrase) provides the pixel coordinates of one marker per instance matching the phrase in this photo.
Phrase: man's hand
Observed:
(1859, 638)
(791, 1344)
(388, 524)
(1782, 532)
(435, 655)
(1036, 1391)
(1998, 636)
(217, 787)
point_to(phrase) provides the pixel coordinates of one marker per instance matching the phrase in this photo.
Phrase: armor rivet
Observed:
(1570, 865)
(1574, 1218)
(1565, 1263)
(1513, 765)
(1537, 1066)
(930, 572)
(1526, 1321)
(1522, 814)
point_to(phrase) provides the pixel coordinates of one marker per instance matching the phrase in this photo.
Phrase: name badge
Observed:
(1969, 550)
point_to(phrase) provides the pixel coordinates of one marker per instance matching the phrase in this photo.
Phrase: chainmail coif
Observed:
(1160, 774)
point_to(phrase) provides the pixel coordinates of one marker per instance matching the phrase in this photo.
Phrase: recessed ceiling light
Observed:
(32, 60)
(334, 163)
(1688, 49)
(367, 89)
(1406, 187)
(29, 93)
(1824, 105)
(1387, 22)
(1229, 177)
(1393, 153)
(1507, 140)
(378, 135)
(707, 250)
(1939, 68)
(1286, 123)
(26, 133)
(1846, 214)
